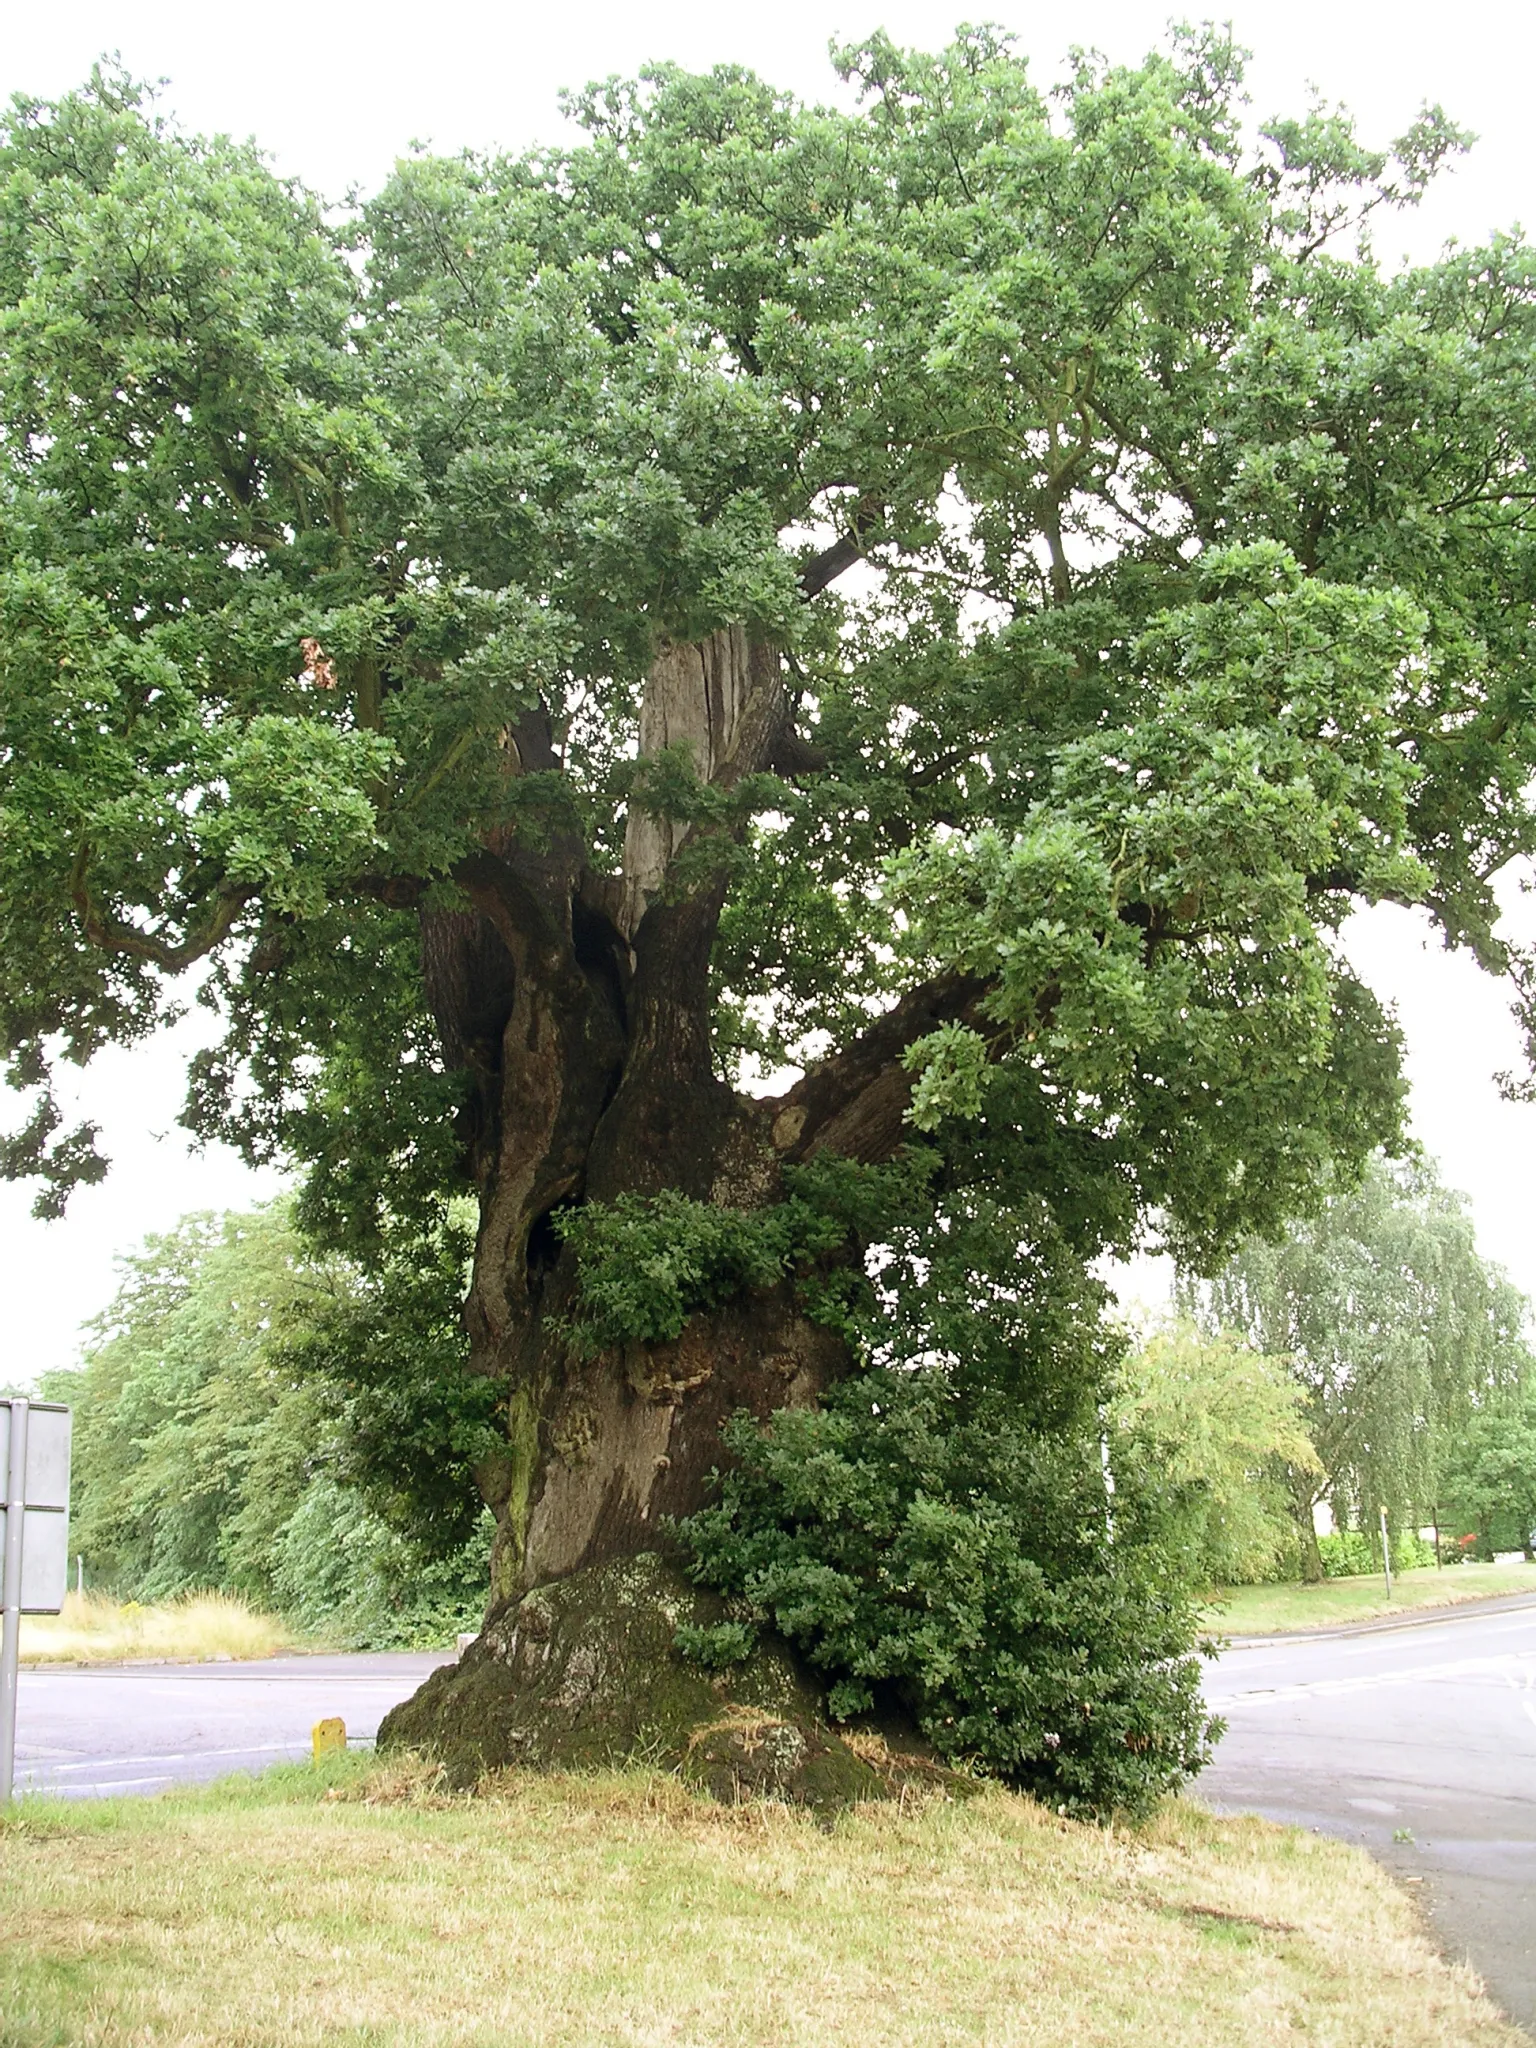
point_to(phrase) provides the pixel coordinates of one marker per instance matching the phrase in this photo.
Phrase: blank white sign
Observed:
(45, 1526)
(44, 1560)
(47, 1477)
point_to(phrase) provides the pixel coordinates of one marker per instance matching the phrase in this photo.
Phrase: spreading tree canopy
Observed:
(942, 604)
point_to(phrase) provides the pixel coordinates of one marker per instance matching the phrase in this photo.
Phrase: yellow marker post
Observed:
(328, 1735)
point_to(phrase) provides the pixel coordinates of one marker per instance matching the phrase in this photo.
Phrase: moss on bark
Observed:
(583, 1674)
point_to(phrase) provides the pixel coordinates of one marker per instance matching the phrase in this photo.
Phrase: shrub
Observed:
(929, 1553)
(1354, 1554)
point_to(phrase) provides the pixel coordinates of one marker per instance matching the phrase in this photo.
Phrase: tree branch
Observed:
(114, 935)
(398, 892)
(942, 765)
(855, 1102)
(826, 567)
(790, 756)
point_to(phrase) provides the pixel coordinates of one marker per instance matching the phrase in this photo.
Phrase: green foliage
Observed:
(719, 1646)
(1394, 1328)
(1489, 1476)
(1217, 1427)
(1197, 609)
(410, 1426)
(1356, 1553)
(1189, 535)
(924, 1549)
(343, 1573)
(646, 1263)
(204, 1458)
(1348, 1554)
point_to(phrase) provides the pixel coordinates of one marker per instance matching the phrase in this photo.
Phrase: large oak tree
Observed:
(942, 605)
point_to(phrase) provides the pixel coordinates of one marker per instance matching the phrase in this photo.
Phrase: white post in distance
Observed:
(10, 1639)
(34, 1461)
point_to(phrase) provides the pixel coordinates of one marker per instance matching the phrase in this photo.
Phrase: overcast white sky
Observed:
(334, 91)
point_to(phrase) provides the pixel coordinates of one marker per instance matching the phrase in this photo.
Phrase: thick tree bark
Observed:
(1306, 1536)
(578, 1004)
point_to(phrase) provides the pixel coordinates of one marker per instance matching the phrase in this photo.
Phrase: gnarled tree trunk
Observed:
(579, 1004)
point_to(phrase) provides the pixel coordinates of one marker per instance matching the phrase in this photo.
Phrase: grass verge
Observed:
(1278, 1610)
(364, 1906)
(197, 1627)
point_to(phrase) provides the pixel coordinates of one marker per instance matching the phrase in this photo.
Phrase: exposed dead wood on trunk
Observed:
(633, 1437)
(723, 700)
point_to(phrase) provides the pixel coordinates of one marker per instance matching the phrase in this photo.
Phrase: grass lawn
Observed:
(1275, 1610)
(368, 1908)
(199, 1626)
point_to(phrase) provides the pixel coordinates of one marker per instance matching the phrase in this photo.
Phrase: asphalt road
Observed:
(139, 1728)
(1418, 1742)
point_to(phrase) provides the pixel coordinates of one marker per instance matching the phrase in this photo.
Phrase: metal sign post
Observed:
(34, 1462)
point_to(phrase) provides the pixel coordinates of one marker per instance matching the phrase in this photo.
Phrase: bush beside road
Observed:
(361, 1902)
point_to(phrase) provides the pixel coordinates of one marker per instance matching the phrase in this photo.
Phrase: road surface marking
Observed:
(191, 1756)
(1375, 1681)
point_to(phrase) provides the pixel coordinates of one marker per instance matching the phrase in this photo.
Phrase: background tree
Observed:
(205, 1457)
(1396, 1331)
(1489, 1476)
(1217, 1427)
(436, 622)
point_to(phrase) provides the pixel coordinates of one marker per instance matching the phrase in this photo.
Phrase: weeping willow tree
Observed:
(1397, 1332)
(792, 698)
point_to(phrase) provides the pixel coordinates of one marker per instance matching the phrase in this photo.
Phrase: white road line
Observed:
(174, 1691)
(190, 1756)
(1419, 1674)
(101, 1763)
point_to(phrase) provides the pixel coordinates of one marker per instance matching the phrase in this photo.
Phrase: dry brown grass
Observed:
(197, 1628)
(382, 1909)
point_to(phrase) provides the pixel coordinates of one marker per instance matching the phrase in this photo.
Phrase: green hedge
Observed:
(1353, 1554)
